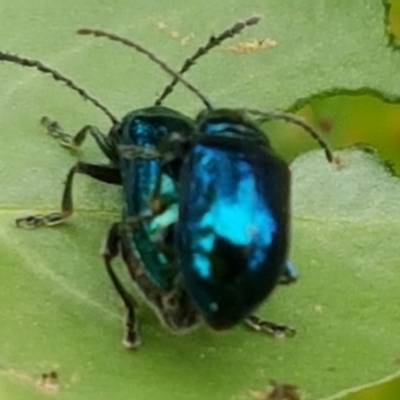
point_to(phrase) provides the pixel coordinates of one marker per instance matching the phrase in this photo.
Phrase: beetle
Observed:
(229, 266)
(232, 231)
(150, 270)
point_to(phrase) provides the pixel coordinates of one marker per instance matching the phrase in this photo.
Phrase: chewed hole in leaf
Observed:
(393, 20)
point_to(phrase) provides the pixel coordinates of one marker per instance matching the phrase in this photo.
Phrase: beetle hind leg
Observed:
(271, 328)
(131, 338)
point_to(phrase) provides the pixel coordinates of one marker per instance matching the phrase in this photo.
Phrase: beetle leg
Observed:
(173, 307)
(110, 251)
(259, 325)
(75, 141)
(290, 274)
(103, 173)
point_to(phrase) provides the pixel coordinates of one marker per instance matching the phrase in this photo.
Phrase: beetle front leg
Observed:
(260, 325)
(75, 141)
(110, 251)
(103, 173)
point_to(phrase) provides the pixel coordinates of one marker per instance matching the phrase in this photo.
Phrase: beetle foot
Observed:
(55, 130)
(277, 330)
(131, 340)
(35, 221)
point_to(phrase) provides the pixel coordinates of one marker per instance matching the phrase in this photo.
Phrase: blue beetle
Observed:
(156, 277)
(130, 240)
(229, 266)
(232, 231)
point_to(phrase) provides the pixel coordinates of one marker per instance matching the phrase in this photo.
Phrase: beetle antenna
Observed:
(296, 121)
(152, 56)
(26, 62)
(213, 41)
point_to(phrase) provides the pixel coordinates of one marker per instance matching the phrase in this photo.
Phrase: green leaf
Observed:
(58, 310)
(62, 315)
